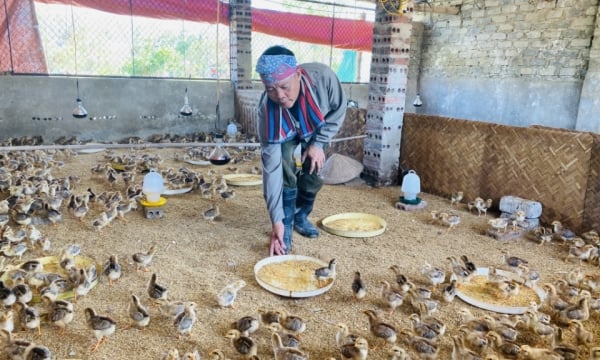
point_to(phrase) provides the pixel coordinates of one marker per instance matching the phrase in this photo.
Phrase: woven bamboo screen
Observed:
(490, 160)
(591, 214)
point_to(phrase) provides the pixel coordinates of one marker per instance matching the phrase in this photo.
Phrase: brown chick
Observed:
(357, 351)
(142, 260)
(425, 349)
(392, 298)
(244, 345)
(102, 326)
(381, 329)
(359, 289)
(292, 323)
(211, 213)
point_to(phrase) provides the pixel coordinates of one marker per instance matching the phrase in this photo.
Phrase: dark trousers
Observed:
(294, 177)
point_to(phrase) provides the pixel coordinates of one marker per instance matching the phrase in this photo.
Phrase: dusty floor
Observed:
(195, 259)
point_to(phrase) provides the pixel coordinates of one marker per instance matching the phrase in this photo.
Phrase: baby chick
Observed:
(102, 326)
(435, 275)
(268, 317)
(7, 321)
(456, 198)
(228, 194)
(425, 349)
(358, 287)
(29, 317)
(192, 355)
(282, 352)
(226, 296)
(292, 323)
(138, 313)
(325, 273)
(246, 324)
(343, 336)
(381, 329)
(156, 291)
(357, 351)
(60, 313)
(287, 339)
(112, 270)
(392, 298)
(171, 354)
(184, 322)
(142, 260)
(211, 213)
(244, 345)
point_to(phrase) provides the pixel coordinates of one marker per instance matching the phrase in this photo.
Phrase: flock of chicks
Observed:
(36, 197)
(537, 334)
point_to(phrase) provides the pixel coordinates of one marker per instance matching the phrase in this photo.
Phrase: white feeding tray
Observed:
(198, 162)
(176, 191)
(354, 224)
(91, 150)
(243, 179)
(291, 275)
(480, 294)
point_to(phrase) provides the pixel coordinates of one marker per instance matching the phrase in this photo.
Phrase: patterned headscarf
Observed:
(275, 68)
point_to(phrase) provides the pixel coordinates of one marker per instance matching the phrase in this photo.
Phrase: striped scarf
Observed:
(280, 121)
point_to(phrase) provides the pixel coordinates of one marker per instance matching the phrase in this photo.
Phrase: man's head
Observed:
(278, 70)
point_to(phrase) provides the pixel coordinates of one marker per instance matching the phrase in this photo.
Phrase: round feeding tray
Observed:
(291, 275)
(478, 292)
(177, 191)
(91, 150)
(51, 265)
(354, 225)
(243, 179)
(198, 162)
(147, 203)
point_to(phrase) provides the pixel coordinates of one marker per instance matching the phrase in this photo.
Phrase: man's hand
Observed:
(316, 156)
(277, 246)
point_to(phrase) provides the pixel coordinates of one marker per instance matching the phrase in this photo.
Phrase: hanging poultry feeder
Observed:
(411, 187)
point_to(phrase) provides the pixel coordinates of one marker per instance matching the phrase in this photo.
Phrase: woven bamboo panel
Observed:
(446, 154)
(591, 217)
(545, 165)
(489, 160)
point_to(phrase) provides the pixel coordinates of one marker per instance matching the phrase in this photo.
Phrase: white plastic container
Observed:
(232, 130)
(153, 186)
(411, 185)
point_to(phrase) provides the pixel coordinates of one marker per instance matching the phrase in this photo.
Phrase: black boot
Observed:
(304, 206)
(289, 208)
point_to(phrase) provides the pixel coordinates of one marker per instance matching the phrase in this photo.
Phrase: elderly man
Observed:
(302, 105)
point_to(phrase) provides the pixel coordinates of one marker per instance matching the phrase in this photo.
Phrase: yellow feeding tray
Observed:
(147, 203)
(485, 295)
(243, 179)
(354, 224)
(291, 275)
(51, 265)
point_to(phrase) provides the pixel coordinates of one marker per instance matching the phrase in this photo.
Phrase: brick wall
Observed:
(540, 39)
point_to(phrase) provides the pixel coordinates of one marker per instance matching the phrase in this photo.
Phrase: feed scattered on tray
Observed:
(296, 275)
(480, 289)
(355, 224)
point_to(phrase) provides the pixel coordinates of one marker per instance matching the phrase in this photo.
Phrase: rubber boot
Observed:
(289, 208)
(304, 206)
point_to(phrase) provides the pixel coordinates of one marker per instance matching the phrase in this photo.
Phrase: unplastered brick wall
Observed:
(540, 39)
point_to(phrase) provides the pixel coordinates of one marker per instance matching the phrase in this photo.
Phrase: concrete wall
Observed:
(117, 107)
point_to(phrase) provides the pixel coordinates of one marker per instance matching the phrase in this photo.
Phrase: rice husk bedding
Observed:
(197, 258)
